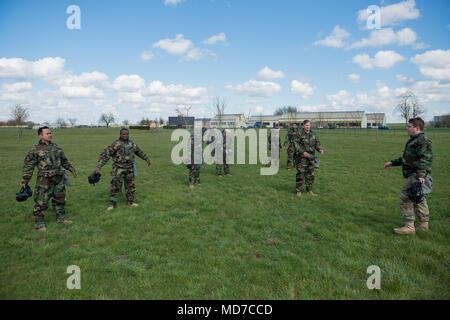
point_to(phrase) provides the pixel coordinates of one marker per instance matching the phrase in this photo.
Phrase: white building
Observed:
(229, 121)
(376, 119)
(338, 119)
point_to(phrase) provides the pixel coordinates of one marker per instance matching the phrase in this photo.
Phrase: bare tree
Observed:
(72, 121)
(19, 116)
(409, 107)
(125, 122)
(219, 107)
(61, 122)
(290, 111)
(183, 112)
(107, 119)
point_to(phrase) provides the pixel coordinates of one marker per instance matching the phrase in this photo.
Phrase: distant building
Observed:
(374, 120)
(337, 119)
(229, 121)
(442, 121)
(264, 121)
(202, 123)
(181, 122)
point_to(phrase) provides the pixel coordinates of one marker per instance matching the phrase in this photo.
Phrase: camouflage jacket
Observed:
(122, 153)
(307, 143)
(48, 158)
(417, 157)
(193, 151)
(291, 136)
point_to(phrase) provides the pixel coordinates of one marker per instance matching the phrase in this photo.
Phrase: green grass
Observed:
(241, 237)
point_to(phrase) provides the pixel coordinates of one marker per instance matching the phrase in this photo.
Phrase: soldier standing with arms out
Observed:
(122, 152)
(416, 166)
(305, 146)
(48, 157)
(289, 139)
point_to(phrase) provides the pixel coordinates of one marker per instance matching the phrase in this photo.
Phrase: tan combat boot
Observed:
(407, 229)
(110, 208)
(66, 221)
(299, 194)
(42, 229)
(134, 204)
(312, 194)
(423, 226)
(191, 186)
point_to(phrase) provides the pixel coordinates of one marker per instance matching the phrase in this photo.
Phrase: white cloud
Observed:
(196, 54)
(147, 56)
(404, 79)
(267, 74)
(89, 92)
(172, 3)
(334, 39)
(86, 79)
(128, 83)
(17, 68)
(221, 37)
(393, 14)
(382, 59)
(177, 46)
(302, 89)
(353, 77)
(387, 36)
(17, 87)
(256, 88)
(434, 64)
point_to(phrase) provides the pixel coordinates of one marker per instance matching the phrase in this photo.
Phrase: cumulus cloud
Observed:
(196, 54)
(353, 77)
(221, 37)
(147, 56)
(387, 36)
(404, 79)
(177, 46)
(172, 3)
(17, 68)
(301, 89)
(17, 87)
(434, 64)
(334, 39)
(86, 79)
(267, 74)
(393, 14)
(128, 83)
(89, 92)
(256, 88)
(382, 60)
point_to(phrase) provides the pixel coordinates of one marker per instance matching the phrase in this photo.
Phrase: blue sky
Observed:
(146, 58)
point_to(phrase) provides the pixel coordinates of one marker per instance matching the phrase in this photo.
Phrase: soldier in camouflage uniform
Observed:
(305, 146)
(269, 142)
(122, 152)
(226, 166)
(194, 169)
(49, 158)
(416, 165)
(289, 140)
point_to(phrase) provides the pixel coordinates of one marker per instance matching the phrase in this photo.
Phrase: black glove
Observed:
(415, 192)
(94, 178)
(24, 193)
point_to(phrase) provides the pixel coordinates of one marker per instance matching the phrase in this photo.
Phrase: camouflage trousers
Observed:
(226, 169)
(305, 172)
(119, 176)
(410, 209)
(290, 156)
(46, 188)
(194, 173)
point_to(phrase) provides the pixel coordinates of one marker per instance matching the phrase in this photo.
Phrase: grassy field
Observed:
(241, 237)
